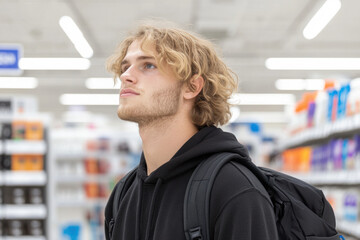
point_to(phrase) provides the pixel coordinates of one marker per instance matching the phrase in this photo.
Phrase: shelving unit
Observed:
(24, 238)
(343, 177)
(87, 164)
(24, 202)
(338, 179)
(310, 136)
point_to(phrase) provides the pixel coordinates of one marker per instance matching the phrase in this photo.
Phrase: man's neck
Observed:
(162, 139)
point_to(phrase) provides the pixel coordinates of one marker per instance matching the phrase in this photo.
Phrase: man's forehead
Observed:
(135, 49)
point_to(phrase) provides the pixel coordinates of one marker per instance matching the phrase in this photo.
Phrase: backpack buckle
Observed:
(195, 233)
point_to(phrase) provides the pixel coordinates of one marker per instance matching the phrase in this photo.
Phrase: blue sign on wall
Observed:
(9, 59)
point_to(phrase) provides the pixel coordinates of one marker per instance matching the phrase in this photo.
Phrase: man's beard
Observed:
(164, 104)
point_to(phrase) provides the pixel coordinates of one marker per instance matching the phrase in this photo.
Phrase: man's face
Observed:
(147, 94)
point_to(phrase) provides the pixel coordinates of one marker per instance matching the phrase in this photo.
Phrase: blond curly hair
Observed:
(187, 55)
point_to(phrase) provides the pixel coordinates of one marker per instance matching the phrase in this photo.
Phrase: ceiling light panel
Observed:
(319, 21)
(313, 63)
(76, 36)
(18, 82)
(54, 64)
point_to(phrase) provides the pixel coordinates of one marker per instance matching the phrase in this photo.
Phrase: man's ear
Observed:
(194, 87)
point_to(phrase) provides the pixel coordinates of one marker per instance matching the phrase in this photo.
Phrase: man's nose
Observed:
(129, 75)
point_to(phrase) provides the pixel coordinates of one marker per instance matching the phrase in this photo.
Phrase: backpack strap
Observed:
(196, 202)
(119, 193)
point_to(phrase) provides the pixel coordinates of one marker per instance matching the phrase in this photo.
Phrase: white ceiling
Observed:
(246, 31)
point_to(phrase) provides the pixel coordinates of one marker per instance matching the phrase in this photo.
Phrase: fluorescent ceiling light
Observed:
(102, 83)
(262, 99)
(76, 36)
(313, 63)
(89, 99)
(321, 18)
(18, 82)
(300, 84)
(54, 64)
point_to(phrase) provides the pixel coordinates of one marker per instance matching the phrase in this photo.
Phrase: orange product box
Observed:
(91, 190)
(18, 129)
(91, 166)
(18, 162)
(21, 162)
(304, 159)
(35, 162)
(34, 131)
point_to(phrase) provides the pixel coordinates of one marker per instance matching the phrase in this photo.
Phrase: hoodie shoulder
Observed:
(239, 199)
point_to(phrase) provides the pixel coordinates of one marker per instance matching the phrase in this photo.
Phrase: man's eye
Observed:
(123, 69)
(149, 66)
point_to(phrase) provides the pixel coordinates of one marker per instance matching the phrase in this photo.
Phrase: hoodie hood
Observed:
(207, 141)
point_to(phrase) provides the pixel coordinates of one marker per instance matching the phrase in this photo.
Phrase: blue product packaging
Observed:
(332, 105)
(342, 100)
(71, 231)
(344, 153)
(351, 207)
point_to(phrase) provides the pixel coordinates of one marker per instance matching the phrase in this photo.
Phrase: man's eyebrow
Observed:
(125, 61)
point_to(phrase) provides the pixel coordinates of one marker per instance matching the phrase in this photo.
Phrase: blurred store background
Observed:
(63, 148)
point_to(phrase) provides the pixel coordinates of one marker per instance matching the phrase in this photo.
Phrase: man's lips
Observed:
(128, 92)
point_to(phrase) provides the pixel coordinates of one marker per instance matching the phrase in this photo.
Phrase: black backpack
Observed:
(301, 210)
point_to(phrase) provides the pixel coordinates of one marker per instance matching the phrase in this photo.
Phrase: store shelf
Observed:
(29, 211)
(23, 147)
(86, 203)
(73, 179)
(329, 178)
(23, 178)
(342, 127)
(23, 238)
(350, 228)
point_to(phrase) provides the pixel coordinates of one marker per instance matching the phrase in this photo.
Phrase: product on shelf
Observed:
(5, 162)
(91, 190)
(21, 227)
(19, 196)
(31, 162)
(23, 195)
(18, 129)
(34, 131)
(15, 228)
(35, 195)
(351, 205)
(35, 228)
(91, 166)
(18, 162)
(297, 159)
(6, 131)
(336, 154)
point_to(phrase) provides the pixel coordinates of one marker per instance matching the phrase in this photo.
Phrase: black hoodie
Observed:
(152, 208)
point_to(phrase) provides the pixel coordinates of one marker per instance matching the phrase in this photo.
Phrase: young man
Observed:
(177, 89)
